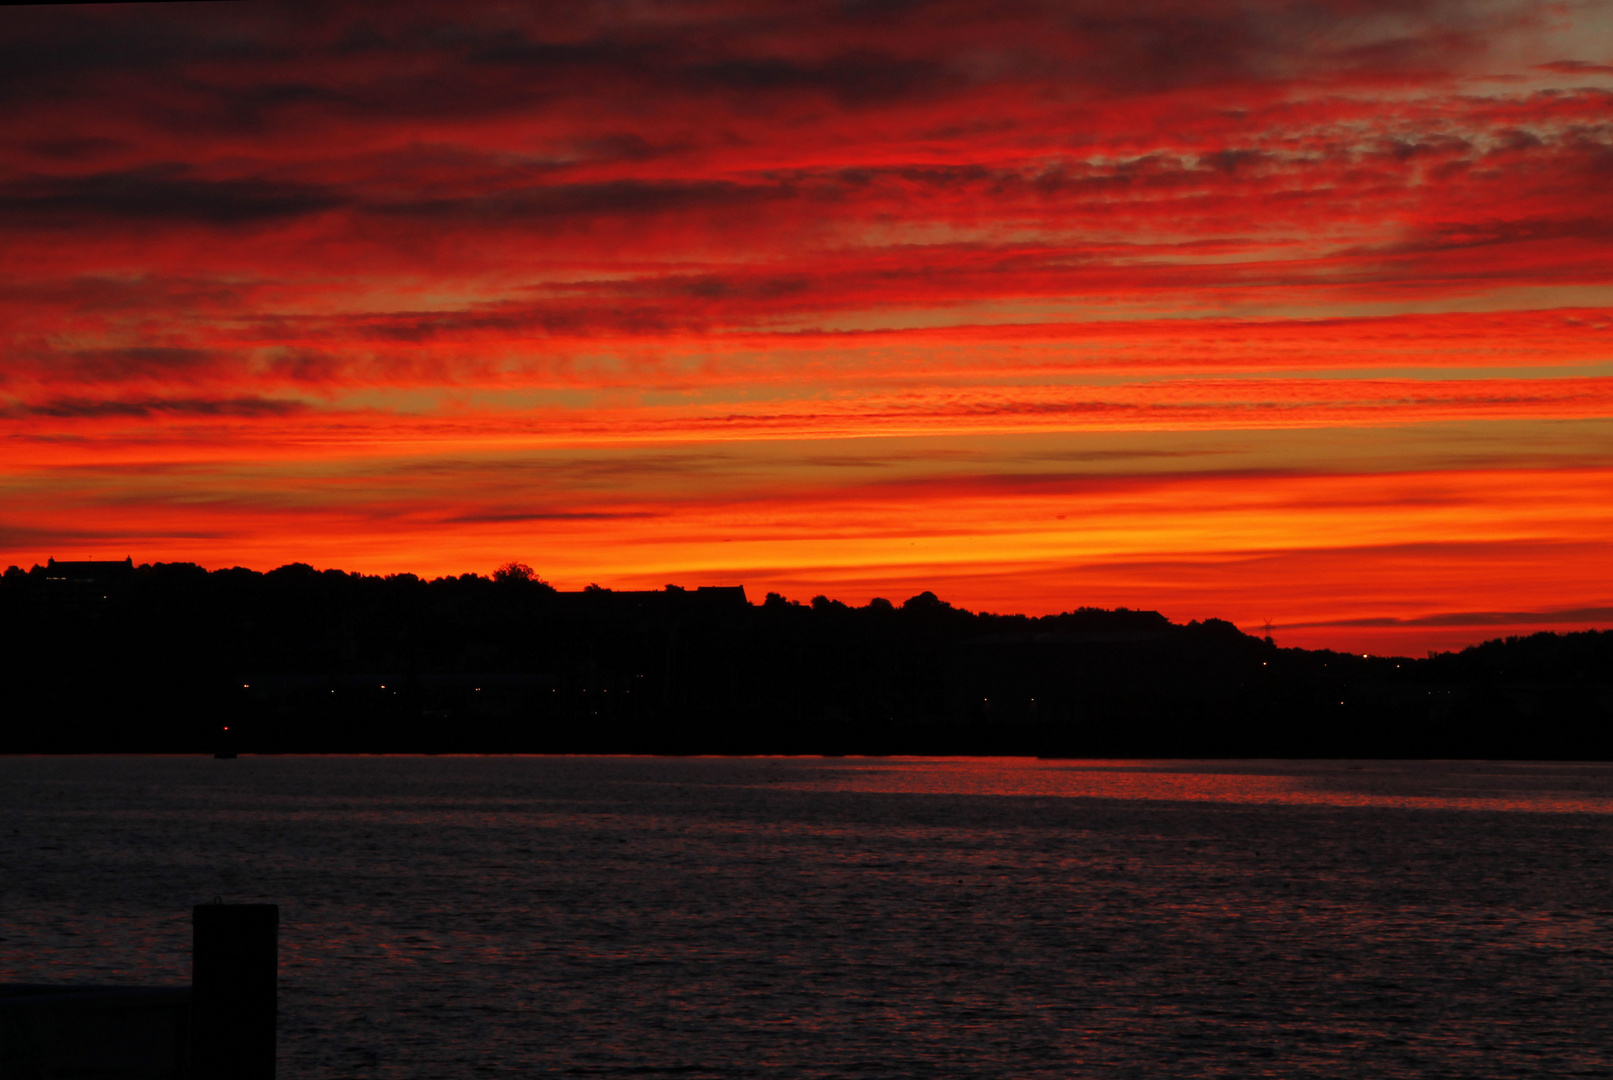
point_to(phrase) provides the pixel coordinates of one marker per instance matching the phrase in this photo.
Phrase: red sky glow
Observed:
(1297, 314)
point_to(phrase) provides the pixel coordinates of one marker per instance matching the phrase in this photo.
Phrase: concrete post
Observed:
(235, 961)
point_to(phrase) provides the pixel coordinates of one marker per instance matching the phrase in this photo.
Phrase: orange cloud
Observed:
(424, 288)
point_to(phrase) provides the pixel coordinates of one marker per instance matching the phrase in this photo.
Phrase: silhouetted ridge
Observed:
(113, 657)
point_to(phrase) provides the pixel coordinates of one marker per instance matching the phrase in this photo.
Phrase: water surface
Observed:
(447, 917)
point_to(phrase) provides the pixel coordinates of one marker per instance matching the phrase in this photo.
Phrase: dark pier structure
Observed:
(221, 1027)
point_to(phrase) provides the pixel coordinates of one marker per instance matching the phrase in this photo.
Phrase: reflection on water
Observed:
(1537, 787)
(809, 918)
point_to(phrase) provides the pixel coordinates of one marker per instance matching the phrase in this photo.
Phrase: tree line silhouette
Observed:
(110, 657)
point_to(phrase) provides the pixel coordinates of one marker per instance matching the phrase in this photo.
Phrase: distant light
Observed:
(226, 727)
(246, 686)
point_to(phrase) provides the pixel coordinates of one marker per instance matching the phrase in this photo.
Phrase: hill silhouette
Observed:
(111, 657)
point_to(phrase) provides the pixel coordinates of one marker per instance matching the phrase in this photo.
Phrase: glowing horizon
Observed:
(1286, 313)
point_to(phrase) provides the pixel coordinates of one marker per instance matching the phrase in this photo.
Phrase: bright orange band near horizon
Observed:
(1295, 315)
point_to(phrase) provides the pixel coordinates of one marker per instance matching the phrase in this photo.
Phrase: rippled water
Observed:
(829, 918)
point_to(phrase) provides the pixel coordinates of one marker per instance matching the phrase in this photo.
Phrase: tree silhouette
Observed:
(300, 659)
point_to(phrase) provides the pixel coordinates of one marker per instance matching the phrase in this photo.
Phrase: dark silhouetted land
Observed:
(109, 657)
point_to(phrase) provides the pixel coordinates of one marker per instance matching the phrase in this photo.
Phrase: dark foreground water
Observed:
(808, 918)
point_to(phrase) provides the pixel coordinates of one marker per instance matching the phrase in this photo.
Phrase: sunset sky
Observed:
(1296, 313)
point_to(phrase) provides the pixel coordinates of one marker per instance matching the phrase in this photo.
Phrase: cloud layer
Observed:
(282, 281)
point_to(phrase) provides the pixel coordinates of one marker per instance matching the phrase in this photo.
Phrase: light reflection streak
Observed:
(1490, 787)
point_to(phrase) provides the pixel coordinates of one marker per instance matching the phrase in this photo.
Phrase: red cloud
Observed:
(293, 238)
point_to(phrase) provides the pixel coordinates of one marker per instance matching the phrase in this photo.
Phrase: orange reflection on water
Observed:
(1538, 787)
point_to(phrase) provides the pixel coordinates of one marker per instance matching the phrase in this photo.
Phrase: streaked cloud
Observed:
(777, 294)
